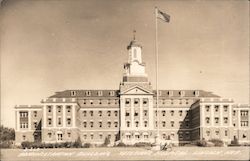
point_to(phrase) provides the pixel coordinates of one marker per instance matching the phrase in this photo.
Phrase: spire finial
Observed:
(134, 32)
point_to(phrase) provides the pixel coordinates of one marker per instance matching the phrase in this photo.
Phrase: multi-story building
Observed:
(130, 114)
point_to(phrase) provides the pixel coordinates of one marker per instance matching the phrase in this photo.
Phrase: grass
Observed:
(127, 153)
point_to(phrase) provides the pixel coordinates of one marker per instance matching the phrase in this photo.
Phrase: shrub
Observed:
(77, 143)
(217, 142)
(106, 141)
(235, 142)
(142, 144)
(26, 144)
(121, 144)
(202, 143)
(86, 145)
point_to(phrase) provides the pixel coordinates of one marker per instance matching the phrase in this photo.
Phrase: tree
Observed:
(7, 136)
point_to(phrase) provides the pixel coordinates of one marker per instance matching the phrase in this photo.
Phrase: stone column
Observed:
(54, 116)
(29, 119)
(64, 115)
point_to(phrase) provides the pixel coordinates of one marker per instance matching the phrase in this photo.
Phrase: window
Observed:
(100, 101)
(49, 108)
(136, 102)
(156, 124)
(207, 120)
(172, 123)
(244, 113)
(85, 136)
(136, 113)
(180, 123)
(49, 121)
(59, 108)
(49, 134)
(145, 102)
(196, 93)
(136, 123)
(127, 102)
(91, 124)
(226, 133)
(68, 108)
(187, 113)
(128, 123)
(99, 93)
(217, 132)
(216, 108)
(35, 125)
(244, 136)
(208, 133)
(88, 93)
(128, 137)
(91, 102)
(135, 54)
(116, 113)
(127, 113)
(225, 107)
(108, 113)
(100, 136)
(23, 114)
(73, 93)
(187, 124)
(109, 124)
(85, 124)
(59, 121)
(100, 124)
(163, 113)
(145, 112)
(116, 124)
(100, 113)
(244, 123)
(91, 113)
(59, 137)
(156, 113)
(207, 108)
(172, 113)
(216, 120)
(163, 124)
(182, 93)
(84, 113)
(145, 136)
(111, 93)
(170, 93)
(145, 124)
(234, 112)
(180, 112)
(225, 120)
(92, 136)
(180, 136)
(137, 136)
(68, 121)
(35, 113)
(24, 137)
(69, 134)
(163, 136)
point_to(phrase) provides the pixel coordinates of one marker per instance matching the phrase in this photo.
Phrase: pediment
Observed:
(136, 90)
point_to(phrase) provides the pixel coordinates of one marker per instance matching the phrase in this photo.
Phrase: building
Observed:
(130, 115)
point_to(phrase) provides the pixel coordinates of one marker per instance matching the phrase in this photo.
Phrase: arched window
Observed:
(135, 53)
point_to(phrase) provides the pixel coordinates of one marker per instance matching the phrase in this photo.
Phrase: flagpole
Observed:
(156, 63)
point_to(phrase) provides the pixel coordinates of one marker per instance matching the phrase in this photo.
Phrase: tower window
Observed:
(59, 108)
(137, 124)
(73, 93)
(163, 113)
(127, 102)
(116, 124)
(35, 113)
(68, 108)
(145, 112)
(216, 107)
(145, 123)
(135, 53)
(100, 113)
(128, 123)
(116, 113)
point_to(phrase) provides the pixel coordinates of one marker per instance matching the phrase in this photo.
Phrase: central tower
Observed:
(136, 99)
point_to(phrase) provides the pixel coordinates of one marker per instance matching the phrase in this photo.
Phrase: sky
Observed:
(55, 45)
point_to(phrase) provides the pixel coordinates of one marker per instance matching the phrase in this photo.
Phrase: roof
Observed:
(115, 93)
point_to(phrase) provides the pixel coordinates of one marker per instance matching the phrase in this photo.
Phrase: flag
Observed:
(161, 15)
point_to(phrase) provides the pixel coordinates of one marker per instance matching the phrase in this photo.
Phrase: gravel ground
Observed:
(121, 153)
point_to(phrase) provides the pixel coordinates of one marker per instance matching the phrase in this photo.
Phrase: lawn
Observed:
(121, 153)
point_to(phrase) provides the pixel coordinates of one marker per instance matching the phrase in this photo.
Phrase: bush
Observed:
(6, 144)
(26, 144)
(235, 142)
(86, 145)
(217, 142)
(106, 141)
(142, 144)
(202, 143)
(121, 144)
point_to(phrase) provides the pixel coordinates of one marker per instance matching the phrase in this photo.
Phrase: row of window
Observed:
(100, 101)
(136, 102)
(59, 108)
(59, 121)
(244, 123)
(181, 93)
(217, 132)
(145, 113)
(99, 124)
(100, 136)
(25, 114)
(216, 108)
(100, 113)
(216, 120)
(23, 125)
(163, 123)
(88, 93)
